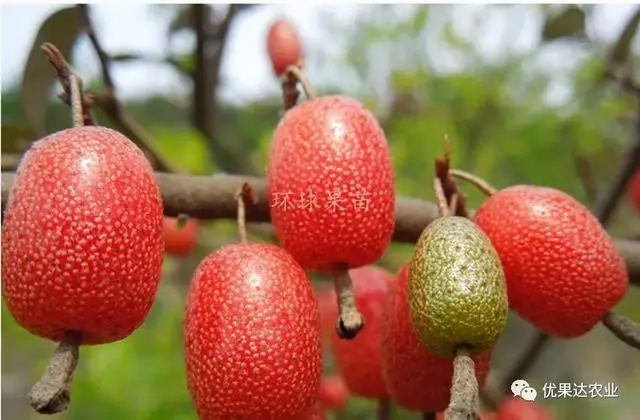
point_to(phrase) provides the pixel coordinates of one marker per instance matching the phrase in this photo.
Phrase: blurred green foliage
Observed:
(501, 126)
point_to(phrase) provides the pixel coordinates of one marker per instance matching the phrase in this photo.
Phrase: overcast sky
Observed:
(246, 71)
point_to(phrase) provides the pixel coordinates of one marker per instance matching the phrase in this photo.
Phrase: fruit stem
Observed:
(350, 320)
(77, 113)
(441, 198)
(297, 72)
(244, 196)
(464, 389)
(623, 328)
(52, 393)
(476, 181)
(428, 415)
(384, 409)
(454, 203)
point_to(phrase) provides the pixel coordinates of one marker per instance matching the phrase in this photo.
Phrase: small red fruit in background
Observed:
(331, 185)
(180, 241)
(519, 409)
(283, 46)
(563, 271)
(415, 379)
(333, 393)
(252, 335)
(633, 191)
(82, 241)
(358, 360)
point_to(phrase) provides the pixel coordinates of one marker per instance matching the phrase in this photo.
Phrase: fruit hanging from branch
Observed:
(82, 247)
(284, 46)
(180, 236)
(252, 333)
(331, 186)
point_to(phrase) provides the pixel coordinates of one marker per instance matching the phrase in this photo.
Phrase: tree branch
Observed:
(125, 57)
(214, 197)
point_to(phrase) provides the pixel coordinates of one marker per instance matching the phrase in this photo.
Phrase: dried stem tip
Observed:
(464, 389)
(244, 197)
(52, 393)
(350, 320)
(623, 328)
(476, 181)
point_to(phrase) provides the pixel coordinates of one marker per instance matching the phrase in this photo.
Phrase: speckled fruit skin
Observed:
(633, 191)
(252, 336)
(180, 241)
(283, 46)
(358, 360)
(333, 393)
(82, 241)
(334, 148)
(563, 270)
(519, 409)
(457, 288)
(416, 379)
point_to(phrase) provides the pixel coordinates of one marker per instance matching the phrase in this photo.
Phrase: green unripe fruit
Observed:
(457, 289)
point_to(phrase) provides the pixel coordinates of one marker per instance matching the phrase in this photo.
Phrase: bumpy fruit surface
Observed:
(563, 270)
(180, 241)
(416, 379)
(283, 46)
(330, 182)
(333, 393)
(457, 290)
(252, 336)
(82, 241)
(519, 409)
(633, 191)
(358, 360)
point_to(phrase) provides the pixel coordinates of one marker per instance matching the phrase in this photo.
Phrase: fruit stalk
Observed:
(77, 114)
(428, 416)
(441, 198)
(623, 328)
(478, 182)
(298, 75)
(52, 393)
(464, 389)
(384, 409)
(350, 320)
(244, 196)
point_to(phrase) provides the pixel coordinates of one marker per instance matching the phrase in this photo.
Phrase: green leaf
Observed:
(187, 62)
(569, 23)
(453, 39)
(17, 138)
(419, 18)
(61, 29)
(620, 51)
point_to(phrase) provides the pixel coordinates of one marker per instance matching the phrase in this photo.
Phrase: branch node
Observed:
(350, 321)
(52, 393)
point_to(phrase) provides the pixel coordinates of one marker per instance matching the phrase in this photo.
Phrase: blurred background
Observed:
(524, 92)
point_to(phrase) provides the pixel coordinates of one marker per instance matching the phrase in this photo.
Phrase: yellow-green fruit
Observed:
(457, 289)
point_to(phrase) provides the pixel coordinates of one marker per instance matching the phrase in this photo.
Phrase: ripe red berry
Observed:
(633, 191)
(363, 375)
(317, 413)
(519, 409)
(563, 270)
(416, 379)
(333, 393)
(331, 186)
(252, 336)
(82, 241)
(283, 46)
(180, 241)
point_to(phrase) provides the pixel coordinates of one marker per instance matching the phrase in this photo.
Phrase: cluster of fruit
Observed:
(83, 247)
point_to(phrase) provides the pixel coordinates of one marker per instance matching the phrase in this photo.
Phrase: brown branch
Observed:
(103, 57)
(622, 327)
(214, 197)
(124, 57)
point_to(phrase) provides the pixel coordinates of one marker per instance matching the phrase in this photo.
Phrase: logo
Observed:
(521, 388)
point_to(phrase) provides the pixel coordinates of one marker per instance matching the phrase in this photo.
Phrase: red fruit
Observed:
(416, 379)
(252, 336)
(330, 183)
(563, 270)
(317, 413)
(633, 191)
(358, 360)
(333, 393)
(180, 241)
(283, 46)
(519, 409)
(82, 237)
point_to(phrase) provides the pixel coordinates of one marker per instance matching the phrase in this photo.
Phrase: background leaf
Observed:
(570, 23)
(620, 52)
(61, 29)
